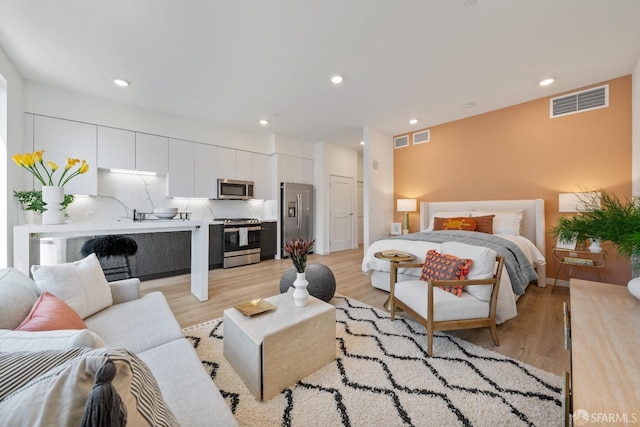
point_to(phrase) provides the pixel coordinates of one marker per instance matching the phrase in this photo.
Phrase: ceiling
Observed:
(235, 62)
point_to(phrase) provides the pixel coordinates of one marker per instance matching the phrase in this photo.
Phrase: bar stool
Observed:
(112, 246)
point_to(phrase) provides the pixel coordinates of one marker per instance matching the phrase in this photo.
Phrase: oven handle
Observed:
(235, 229)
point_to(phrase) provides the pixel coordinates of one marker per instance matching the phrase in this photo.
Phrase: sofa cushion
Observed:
(187, 388)
(81, 284)
(50, 313)
(484, 264)
(51, 387)
(48, 340)
(18, 293)
(136, 325)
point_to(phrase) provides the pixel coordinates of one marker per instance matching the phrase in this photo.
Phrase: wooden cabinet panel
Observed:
(64, 138)
(116, 148)
(152, 153)
(205, 171)
(268, 240)
(216, 245)
(180, 179)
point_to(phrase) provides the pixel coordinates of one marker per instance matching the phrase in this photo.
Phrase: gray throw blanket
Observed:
(521, 271)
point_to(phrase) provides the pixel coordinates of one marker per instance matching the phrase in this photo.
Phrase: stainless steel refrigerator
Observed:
(296, 207)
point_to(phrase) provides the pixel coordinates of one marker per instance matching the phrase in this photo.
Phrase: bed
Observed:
(519, 226)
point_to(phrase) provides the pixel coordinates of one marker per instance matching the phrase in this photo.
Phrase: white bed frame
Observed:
(533, 223)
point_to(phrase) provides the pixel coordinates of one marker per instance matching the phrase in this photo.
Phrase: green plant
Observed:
(612, 219)
(31, 200)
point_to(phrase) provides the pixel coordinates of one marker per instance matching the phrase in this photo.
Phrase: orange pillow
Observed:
(50, 313)
(484, 224)
(445, 267)
(459, 223)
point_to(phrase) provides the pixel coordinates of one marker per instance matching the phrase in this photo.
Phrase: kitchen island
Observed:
(199, 242)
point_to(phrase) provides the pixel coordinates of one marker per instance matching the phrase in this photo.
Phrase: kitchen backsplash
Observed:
(119, 194)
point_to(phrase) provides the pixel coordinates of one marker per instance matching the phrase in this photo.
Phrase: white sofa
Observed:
(145, 326)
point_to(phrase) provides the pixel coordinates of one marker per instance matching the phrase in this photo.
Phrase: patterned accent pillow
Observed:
(439, 266)
(458, 223)
(484, 224)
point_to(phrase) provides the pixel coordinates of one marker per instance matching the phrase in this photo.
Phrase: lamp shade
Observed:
(407, 205)
(578, 202)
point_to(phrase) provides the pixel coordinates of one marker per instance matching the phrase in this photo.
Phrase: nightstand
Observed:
(574, 258)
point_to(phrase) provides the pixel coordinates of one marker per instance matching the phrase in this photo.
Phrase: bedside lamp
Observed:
(406, 206)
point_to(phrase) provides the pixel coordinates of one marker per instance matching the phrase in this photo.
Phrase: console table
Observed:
(199, 242)
(605, 343)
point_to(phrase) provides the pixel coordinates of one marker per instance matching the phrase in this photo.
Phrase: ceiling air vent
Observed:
(401, 141)
(422, 136)
(578, 102)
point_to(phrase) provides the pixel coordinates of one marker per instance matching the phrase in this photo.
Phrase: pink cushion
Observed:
(50, 313)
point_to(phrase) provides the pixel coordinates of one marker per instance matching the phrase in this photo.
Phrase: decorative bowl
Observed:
(165, 213)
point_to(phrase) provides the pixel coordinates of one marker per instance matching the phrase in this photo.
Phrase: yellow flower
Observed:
(34, 163)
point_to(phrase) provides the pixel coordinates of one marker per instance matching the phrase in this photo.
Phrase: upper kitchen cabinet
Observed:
(152, 153)
(294, 169)
(123, 149)
(225, 163)
(244, 165)
(205, 171)
(181, 178)
(63, 139)
(116, 148)
(261, 176)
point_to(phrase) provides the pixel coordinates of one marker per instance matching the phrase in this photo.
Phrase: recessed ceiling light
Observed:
(413, 121)
(264, 122)
(336, 79)
(121, 82)
(361, 142)
(468, 105)
(546, 82)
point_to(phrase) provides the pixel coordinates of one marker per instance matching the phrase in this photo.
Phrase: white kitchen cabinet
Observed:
(116, 148)
(65, 138)
(294, 169)
(261, 176)
(225, 163)
(180, 178)
(244, 165)
(306, 171)
(152, 153)
(205, 172)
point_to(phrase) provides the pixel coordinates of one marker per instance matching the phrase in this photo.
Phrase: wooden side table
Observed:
(575, 258)
(397, 257)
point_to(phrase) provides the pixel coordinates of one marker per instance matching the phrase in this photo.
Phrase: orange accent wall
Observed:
(519, 152)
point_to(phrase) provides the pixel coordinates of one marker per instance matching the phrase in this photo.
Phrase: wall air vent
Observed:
(401, 141)
(422, 136)
(578, 102)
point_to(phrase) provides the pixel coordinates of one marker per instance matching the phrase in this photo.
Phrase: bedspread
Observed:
(521, 271)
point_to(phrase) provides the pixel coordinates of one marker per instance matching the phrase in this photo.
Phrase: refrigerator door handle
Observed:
(299, 205)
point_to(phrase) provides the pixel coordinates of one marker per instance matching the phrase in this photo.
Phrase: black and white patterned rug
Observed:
(383, 377)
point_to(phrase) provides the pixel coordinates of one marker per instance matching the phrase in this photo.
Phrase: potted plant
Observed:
(612, 219)
(31, 200)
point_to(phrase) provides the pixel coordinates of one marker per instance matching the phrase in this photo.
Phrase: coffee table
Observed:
(273, 350)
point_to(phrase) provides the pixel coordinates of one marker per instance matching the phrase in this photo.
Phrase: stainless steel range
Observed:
(241, 241)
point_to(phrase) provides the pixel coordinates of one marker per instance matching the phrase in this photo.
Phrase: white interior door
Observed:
(360, 213)
(341, 213)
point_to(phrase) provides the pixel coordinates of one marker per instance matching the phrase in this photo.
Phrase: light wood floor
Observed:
(535, 336)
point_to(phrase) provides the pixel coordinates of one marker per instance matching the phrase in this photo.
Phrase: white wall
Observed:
(635, 130)
(331, 159)
(378, 185)
(60, 103)
(11, 177)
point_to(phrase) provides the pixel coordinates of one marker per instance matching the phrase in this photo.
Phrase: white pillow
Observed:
(504, 222)
(482, 267)
(444, 214)
(80, 284)
(48, 340)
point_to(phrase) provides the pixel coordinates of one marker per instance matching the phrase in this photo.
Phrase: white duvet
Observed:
(506, 308)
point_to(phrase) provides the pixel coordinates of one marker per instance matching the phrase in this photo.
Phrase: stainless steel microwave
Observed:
(233, 189)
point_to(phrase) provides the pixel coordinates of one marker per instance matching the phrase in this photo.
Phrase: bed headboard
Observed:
(532, 223)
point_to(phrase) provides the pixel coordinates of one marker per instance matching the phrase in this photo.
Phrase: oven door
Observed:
(241, 237)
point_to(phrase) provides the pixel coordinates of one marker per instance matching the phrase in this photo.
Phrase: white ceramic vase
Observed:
(634, 287)
(53, 196)
(594, 246)
(300, 295)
